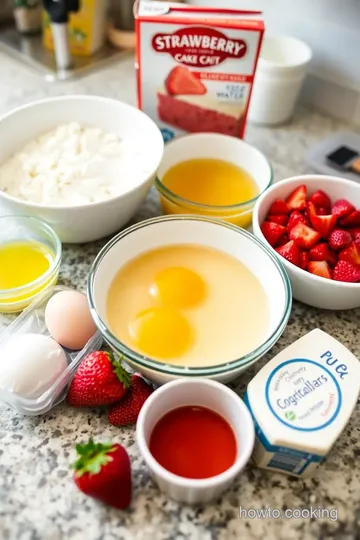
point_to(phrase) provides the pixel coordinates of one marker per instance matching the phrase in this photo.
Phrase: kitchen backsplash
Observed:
(332, 29)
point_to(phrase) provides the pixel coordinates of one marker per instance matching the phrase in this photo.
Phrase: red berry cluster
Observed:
(316, 235)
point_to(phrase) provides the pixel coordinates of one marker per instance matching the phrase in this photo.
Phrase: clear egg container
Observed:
(32, 320)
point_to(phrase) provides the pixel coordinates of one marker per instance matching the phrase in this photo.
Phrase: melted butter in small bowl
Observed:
(30, 254)
(212, 175)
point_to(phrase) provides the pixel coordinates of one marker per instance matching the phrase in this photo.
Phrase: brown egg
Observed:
(68, 319)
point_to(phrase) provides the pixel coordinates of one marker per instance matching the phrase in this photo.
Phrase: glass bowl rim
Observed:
(53, 266)
(170, 195)
(171, 369)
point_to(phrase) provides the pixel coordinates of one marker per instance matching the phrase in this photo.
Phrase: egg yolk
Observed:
(161, 332)
(178, 287)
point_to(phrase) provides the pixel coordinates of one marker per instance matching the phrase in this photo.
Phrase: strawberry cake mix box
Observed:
(195, 66)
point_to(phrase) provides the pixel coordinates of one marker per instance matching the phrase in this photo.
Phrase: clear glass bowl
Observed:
(220, 147)
(103, 268)
(22, 229)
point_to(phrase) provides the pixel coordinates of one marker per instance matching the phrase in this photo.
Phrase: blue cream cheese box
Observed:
(301, 401)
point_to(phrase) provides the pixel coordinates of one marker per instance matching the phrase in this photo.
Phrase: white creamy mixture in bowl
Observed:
(82, 164)
(180, 231)
(74, 165)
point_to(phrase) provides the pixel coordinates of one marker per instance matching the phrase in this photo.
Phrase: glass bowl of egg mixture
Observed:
(30, 255)
(189, 296)
(213, 175)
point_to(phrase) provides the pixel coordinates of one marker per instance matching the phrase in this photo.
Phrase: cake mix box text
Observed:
(196, 66)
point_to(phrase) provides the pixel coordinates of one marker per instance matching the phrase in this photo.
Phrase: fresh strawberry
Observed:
(304, 260)
(320, 268)
(322, 224)
(346, 271)
(322, 211)
(321, 200)
(279, 206)
(127, 411)
(297, 198)
(342, 208)
(280, 219)
(304, 236)
(290, 252)
(310, 210)
(352, 220)
(99, 380)
(182, 81)
(103, 472)
(296, 217)
(339, 239)
(355, 233)
(320, 252)
(332, 258)
(272, 232)
(351, 253)
(284, 240)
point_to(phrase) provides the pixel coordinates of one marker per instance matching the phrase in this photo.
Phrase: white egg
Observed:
(30, 364)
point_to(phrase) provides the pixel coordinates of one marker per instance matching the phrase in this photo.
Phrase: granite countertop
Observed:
(38, 500)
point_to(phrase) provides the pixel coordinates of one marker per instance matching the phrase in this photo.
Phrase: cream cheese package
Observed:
(301, 401)
(196, 66)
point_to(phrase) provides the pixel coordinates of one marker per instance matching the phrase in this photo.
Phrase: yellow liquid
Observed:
(211, 182)
(188, 305)
(20, 264)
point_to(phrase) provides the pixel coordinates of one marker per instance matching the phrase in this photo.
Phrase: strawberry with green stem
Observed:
(127, 410)
(103, 471)
(99, 380)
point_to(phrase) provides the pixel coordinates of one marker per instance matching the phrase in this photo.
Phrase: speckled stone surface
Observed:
(38, 500)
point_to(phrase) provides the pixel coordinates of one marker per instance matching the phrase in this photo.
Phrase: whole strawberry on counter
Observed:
(102, 471)
(127, 411)
(99, 380)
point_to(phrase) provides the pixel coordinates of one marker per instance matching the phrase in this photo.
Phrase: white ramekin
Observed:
(205, 393)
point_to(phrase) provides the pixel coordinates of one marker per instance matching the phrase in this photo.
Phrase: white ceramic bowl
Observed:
(308, 288)
(214, 146)
(203, 393)
(171, 230)
(92, 221)
(280, 73)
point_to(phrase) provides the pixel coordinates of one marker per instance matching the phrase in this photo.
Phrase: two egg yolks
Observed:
(163, 331)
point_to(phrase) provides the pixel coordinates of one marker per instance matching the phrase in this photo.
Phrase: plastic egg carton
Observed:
(32, 320)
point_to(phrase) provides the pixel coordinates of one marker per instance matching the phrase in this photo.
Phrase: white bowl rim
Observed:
(286, 39)
(80, 97)
(177, 199)
(290, 181)
(172, 369)
(194, 483)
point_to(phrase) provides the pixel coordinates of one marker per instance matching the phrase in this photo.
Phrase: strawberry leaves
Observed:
(92, 457)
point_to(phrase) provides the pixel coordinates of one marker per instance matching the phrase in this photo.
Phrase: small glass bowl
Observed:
(214, 146)
(23, 228)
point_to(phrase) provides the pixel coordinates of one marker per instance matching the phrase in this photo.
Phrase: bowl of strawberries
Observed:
(313, 224)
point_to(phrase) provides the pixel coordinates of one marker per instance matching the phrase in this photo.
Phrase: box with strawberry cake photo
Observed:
(195, 66)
